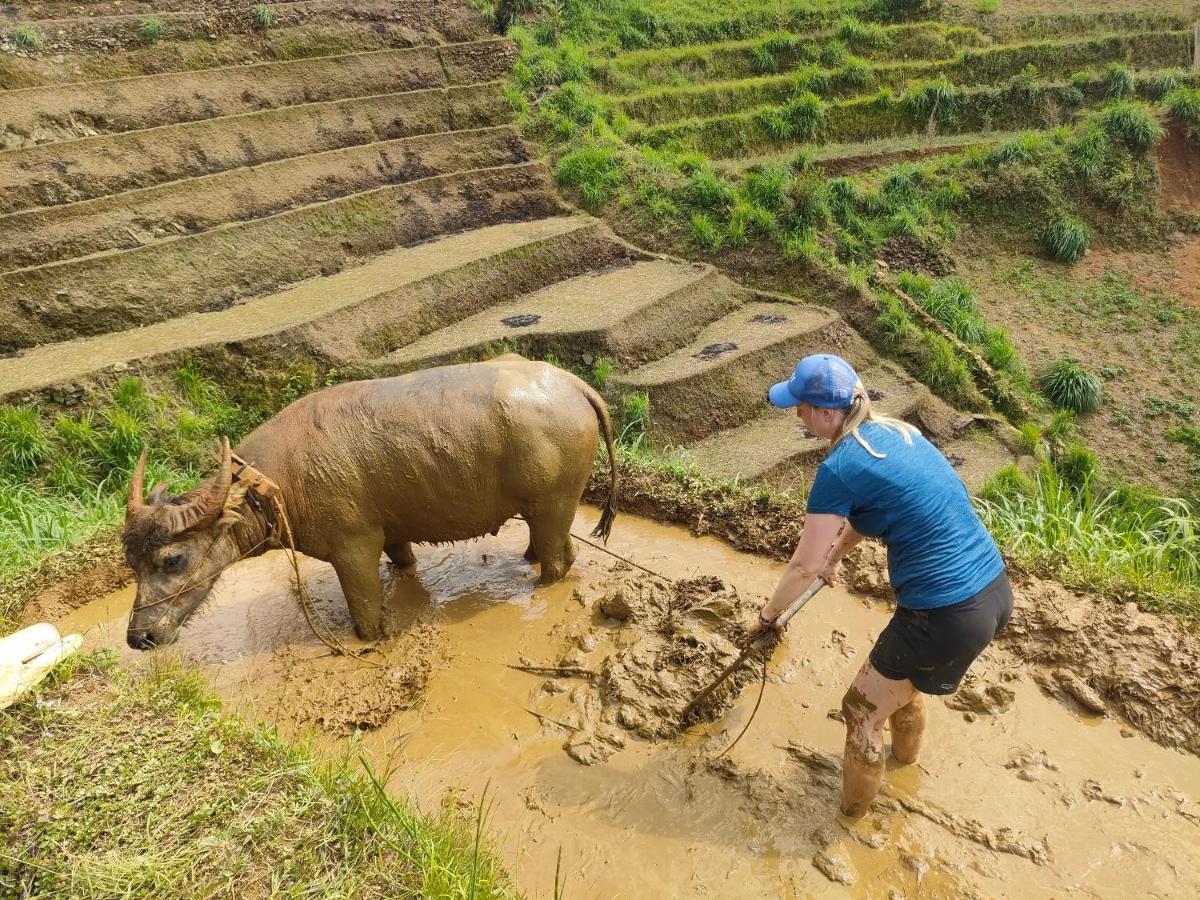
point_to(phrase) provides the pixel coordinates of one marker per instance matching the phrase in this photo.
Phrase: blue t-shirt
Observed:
(939, 553)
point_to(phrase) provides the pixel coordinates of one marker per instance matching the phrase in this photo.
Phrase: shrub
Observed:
(27, 38)
(706, 233)
(597, 173)
(1133, 123)
(1184, 104)
(1069, 385)
(150, 30)
(1066, 239)
(1119, 82)
(264, 17)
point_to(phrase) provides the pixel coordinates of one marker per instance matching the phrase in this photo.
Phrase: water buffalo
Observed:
(372, 467)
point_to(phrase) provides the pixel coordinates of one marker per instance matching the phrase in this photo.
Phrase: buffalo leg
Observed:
(357, 568)
(401, 554)
(550, 539)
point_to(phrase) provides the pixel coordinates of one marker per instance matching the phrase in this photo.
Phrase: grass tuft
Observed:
(27, 39)
(1133, 123)
(1184, 104)
(1066, 239)
(1070, 386)
(151, 29)
(596, 173)
(1119, 82)
(264, 17)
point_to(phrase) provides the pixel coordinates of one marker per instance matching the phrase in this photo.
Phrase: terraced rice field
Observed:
(864, 88)
(371, 210)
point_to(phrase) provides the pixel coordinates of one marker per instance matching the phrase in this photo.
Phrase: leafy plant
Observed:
(264, 16)
(1069, 385)
(151, 29)
(1066, 239)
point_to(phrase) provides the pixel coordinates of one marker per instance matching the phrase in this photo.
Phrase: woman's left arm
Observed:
(817, 541)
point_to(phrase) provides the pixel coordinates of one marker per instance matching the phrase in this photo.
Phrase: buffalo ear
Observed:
(159, 493)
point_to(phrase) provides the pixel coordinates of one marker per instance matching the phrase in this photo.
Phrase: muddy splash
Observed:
(1040, 799)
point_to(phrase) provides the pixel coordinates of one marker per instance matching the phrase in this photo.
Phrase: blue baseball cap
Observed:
(823, 380)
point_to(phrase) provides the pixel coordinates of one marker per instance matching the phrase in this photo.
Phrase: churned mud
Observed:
(662, 643)
(505, 682)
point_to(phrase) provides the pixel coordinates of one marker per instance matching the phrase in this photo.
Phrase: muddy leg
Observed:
(868, 703)
(357, 568)
(530, 553)
(549, 536)
(401, 554)
(908, 728)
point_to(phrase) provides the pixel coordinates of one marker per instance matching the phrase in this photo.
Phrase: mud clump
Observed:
(342, 695)
(982, 699)
(671, 640)
(1111, 656)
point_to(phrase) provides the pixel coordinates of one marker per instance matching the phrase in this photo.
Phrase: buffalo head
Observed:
(177, 546)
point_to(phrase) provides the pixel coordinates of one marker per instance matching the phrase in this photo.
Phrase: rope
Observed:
(754, 712)
(311, 615)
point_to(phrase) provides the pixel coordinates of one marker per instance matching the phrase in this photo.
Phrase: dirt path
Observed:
(1032, 798)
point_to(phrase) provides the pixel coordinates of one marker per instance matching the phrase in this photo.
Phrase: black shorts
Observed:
(933, 648)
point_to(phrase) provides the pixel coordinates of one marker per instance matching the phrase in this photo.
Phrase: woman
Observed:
(882, 479)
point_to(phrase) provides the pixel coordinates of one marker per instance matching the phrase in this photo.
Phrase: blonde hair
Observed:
(859, 411)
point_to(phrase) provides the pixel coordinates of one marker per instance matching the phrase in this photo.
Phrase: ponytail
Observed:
(860, 411)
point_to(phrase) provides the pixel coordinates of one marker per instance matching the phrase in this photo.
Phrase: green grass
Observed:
(987, 7)
(1124, 541)
(27, 39)
(65, 477)
(1068, 385)
(264, 17)
(1066, 239)
(1184, 104)
(151, 30)
(137, 785)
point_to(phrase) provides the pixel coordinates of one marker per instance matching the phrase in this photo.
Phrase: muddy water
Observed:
(1038, 800)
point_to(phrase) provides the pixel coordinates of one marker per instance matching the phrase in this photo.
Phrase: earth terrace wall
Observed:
(1052, 60)
(1005, 108)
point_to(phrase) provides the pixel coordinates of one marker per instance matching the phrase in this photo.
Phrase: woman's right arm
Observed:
(847, 541)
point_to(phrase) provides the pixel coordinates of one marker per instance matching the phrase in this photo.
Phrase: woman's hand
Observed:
(766, 622)
(831, 572)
